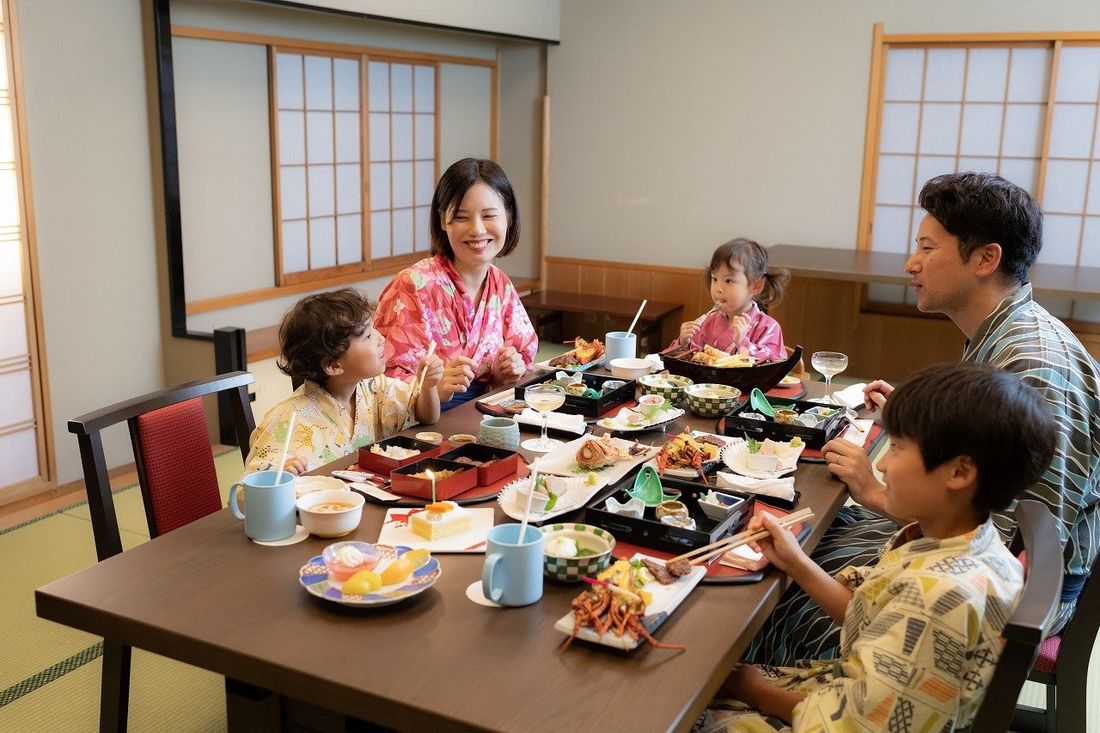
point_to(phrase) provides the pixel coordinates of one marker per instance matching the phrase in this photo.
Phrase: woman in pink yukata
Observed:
(740, 284)
(458, 298)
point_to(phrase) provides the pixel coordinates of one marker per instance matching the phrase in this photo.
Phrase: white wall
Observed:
(677, 126)
(91, 171)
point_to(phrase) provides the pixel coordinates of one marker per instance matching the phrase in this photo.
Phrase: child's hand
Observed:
(295, 465)
(433, 374)
(688, 331)
(781, 548)
(744, 683)
(875, 394)
(508, 365)
(457, 376)
(740, 326)
(849, 463)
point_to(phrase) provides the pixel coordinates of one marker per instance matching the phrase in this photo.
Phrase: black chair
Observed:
(176, 473)
(1024, 631)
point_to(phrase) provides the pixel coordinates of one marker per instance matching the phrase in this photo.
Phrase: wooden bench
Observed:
(658, 324)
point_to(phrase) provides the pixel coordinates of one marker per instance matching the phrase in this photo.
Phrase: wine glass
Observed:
(545, 398)
(829, 363)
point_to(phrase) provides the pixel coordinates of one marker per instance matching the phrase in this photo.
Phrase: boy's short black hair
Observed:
(452, 187)
(980, 208)
(317, 331)
(988, 414)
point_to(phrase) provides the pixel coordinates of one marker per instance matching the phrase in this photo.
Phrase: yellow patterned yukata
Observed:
(323, 431)
(920, 639)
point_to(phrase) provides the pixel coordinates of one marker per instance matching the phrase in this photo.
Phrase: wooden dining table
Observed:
(208, 596)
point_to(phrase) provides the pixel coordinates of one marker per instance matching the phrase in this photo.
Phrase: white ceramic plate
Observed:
(562, 461)
(396, 531)
(314, 578)
(665, 600)
(582, 368)
(734, 456)
(511, 504)
(687, 472)
(615, 423)
(308, 484)
(790, 381)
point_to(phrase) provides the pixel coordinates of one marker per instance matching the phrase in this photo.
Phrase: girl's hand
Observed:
(457, 376)
(295, 465)
(688, 331)
(781, 548)
(875, 394)
(433, 375)
(740, 325)
(508, 365)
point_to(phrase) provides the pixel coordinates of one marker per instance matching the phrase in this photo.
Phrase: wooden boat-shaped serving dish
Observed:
(763, 376)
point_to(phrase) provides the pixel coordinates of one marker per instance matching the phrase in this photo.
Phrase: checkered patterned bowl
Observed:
(669, 386)
(572, 569)
(711, 400)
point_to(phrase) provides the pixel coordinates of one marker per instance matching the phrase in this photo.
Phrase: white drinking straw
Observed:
(286, 447)
(637, 316)
(527, 509)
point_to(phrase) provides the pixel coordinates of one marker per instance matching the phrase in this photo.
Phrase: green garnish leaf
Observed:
(754, 445)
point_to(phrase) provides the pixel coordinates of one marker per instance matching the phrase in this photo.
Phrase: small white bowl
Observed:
(336, 523)
(630, 368)
(430, 436)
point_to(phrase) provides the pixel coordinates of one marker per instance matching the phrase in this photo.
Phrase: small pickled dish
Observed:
(786, 417)
(576, 389)
(677, 520)
(462, 439)
(651, 400)
(671, 509)
(612, 384)
(345, 559)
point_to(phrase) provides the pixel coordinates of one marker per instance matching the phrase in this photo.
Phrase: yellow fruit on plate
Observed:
(418, 558)
(363, 582)
(397, 570)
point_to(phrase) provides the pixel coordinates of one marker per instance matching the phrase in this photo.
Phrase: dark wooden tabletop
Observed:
(206, 595)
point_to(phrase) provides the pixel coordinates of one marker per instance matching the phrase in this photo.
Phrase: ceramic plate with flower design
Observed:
(314, 578)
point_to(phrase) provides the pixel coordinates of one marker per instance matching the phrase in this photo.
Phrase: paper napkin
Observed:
(658, 363)
(558, 421)
(780, 488)
(851, 397)
(858, 433)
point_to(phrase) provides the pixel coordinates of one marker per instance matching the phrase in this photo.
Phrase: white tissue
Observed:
(780, 488)
(851, 397)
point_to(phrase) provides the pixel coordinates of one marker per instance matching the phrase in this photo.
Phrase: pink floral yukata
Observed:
(429, 301)
(763, 340)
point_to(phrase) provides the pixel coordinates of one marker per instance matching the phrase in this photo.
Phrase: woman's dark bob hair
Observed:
(452, 187)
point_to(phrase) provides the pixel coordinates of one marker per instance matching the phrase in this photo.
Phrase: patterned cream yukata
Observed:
(428, 301)
(919, 643)
(763, 340)
(323, 431)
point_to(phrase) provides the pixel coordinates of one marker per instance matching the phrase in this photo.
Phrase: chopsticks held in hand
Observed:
(423, 372)
(742, 538)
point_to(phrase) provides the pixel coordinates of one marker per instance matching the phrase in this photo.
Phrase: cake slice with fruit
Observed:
(441, 519)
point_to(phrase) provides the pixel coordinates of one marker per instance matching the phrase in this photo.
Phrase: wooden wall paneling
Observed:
(564, 276)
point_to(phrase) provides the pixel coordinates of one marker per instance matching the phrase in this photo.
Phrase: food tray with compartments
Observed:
(588, 406)
(737, 426)
(648, 531)
(370, 461)
(492, 464)
(402, 480)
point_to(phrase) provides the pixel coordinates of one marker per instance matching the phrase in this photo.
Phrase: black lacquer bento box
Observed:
(648, 531)
(588, 406)
(735, 425)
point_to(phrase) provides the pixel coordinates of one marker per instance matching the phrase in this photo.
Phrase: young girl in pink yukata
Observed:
(740, 285)
(457, 297)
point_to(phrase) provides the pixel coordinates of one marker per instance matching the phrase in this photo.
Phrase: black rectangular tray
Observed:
(735, 425)
(651, 532)
(588, 406)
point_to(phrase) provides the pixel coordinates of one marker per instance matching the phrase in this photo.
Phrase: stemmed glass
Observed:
(545, 398)
(829, 363)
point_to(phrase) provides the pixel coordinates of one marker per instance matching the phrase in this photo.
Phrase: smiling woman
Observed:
(458, 298)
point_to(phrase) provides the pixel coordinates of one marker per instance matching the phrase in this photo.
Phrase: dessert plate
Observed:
(314, 578)
(735, 456)
(396, 531)
(665, 600)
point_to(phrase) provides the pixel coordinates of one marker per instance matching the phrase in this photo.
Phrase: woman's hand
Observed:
(849, 463)
(457, 376)
(433, 371)
(508, 365)
(688, 331)
(780, 547)
(875, 394)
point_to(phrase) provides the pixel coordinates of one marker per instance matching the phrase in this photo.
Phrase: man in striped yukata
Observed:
(974, 246)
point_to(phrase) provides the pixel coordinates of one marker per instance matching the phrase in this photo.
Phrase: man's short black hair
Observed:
(976, 410)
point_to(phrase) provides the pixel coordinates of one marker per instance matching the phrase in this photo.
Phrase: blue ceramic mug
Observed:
(269, 507)
(499, 432)
(512, 574)
(619, 345)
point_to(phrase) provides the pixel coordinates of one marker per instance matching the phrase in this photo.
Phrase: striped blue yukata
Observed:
(1021, 337)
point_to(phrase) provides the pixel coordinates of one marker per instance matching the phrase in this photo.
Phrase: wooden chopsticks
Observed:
(742, 538)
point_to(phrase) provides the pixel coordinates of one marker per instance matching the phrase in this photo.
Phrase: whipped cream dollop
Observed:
(350, 555)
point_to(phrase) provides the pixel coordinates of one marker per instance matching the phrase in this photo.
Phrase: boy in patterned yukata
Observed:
(741, 286)
(329, 341)
(921, 631)
(458, 298)
(973, 251)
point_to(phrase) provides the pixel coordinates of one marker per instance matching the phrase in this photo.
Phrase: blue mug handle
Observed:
(233, 505)
(487, 571)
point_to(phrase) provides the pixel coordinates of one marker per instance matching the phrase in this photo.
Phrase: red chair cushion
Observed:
(179, 464)
(1047, 661)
